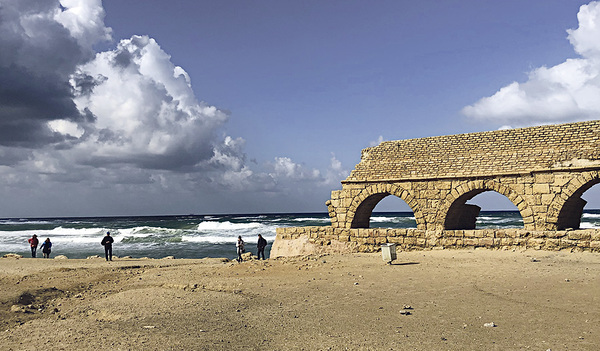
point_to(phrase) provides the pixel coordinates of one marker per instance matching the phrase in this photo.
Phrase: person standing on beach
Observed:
(33, 243)
(240, 248)
(46, 248)
(107, 242)
(260, 246)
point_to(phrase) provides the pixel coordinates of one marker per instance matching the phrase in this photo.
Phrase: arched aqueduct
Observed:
(542, 170)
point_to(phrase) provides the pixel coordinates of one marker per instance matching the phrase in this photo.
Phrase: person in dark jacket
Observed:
(260, 246)
(46, 248)
(107, 242)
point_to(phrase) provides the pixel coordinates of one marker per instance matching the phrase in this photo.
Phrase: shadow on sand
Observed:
(402, 263)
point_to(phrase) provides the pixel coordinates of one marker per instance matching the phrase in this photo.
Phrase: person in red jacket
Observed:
(33, 243)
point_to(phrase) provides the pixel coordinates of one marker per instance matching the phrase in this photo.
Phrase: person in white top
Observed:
(240, 248)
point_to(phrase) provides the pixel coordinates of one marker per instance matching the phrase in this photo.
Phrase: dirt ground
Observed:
(425, 300)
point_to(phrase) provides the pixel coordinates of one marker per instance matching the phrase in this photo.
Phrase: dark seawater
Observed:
(196, 236)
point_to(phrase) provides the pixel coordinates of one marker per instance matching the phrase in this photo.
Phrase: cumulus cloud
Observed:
(40, 47)
(125, 119)
(335, 173)
(284, 167)
(566, 92)
(145, 111)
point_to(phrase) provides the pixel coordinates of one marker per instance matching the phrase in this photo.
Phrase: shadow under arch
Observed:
(456, 214)
(363, 204)
(568, 209)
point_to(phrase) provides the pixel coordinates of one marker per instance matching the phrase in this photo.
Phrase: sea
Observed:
(197, 236)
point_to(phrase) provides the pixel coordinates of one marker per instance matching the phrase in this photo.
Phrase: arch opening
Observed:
(392, 212)
(571, 213)
(498, 211)
(362, 217)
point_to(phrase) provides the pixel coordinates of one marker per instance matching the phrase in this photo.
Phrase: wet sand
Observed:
(425, 300)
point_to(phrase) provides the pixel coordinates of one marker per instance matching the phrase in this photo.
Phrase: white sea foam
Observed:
(391, 219)
(215, 239)
(206, 226)
(588, 225)
(312, 219)
(591, 215)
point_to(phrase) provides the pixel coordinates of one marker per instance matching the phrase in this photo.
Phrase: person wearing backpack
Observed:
(107, 242)
(46, 248)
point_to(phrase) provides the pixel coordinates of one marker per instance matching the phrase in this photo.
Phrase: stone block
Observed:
(536, 243)
(552, 243)
(487, 242)
(594, 234)
(470, 233)
(579, 235)
(548, 199)
(471, 242)
(411, 241)
(544, 178)
(448, 242)
(566, 243)
(395, 239)
(380, 240)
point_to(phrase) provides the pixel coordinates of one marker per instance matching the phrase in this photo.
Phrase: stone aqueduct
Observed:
(542, 170)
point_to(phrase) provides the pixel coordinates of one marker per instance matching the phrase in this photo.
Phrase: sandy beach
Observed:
(425, 300)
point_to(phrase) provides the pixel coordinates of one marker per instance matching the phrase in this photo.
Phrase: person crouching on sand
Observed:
(46, 248)
(240, 248)
(33, 243)
(107, 242)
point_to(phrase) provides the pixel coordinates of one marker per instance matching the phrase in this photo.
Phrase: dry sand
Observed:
(427, 300)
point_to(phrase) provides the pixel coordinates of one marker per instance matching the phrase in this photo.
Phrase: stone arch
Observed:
(361, 208)
(454, 211)
(566, 210)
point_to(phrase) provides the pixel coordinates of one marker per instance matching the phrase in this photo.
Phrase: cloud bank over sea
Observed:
(124, 120)
(566, 92)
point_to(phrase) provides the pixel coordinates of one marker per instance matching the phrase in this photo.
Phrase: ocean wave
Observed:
(392, 219)
(217, 239)
(228, 226)
(311, 219)
(588, 225)
(23, 222)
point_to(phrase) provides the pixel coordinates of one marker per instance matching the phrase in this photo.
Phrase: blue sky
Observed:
(127, 107)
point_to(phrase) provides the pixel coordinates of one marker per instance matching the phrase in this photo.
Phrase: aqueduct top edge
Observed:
(512, 151)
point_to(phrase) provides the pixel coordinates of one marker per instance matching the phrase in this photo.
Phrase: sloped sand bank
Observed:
(431, 300)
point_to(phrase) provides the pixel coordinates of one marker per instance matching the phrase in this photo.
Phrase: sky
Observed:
(149, 107)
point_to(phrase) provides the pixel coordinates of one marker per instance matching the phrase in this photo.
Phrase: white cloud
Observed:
(284, 167)
(66, 128)
(84, 19)
(335, 173)
(376, 142)
(122, 124)
(145, 110)
(562, 93)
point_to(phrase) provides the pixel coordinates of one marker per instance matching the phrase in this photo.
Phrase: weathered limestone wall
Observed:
(316, 240)
(542, 170)
(539, 197)
(512, 151)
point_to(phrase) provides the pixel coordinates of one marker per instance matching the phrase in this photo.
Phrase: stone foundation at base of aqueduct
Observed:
(542, 170)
